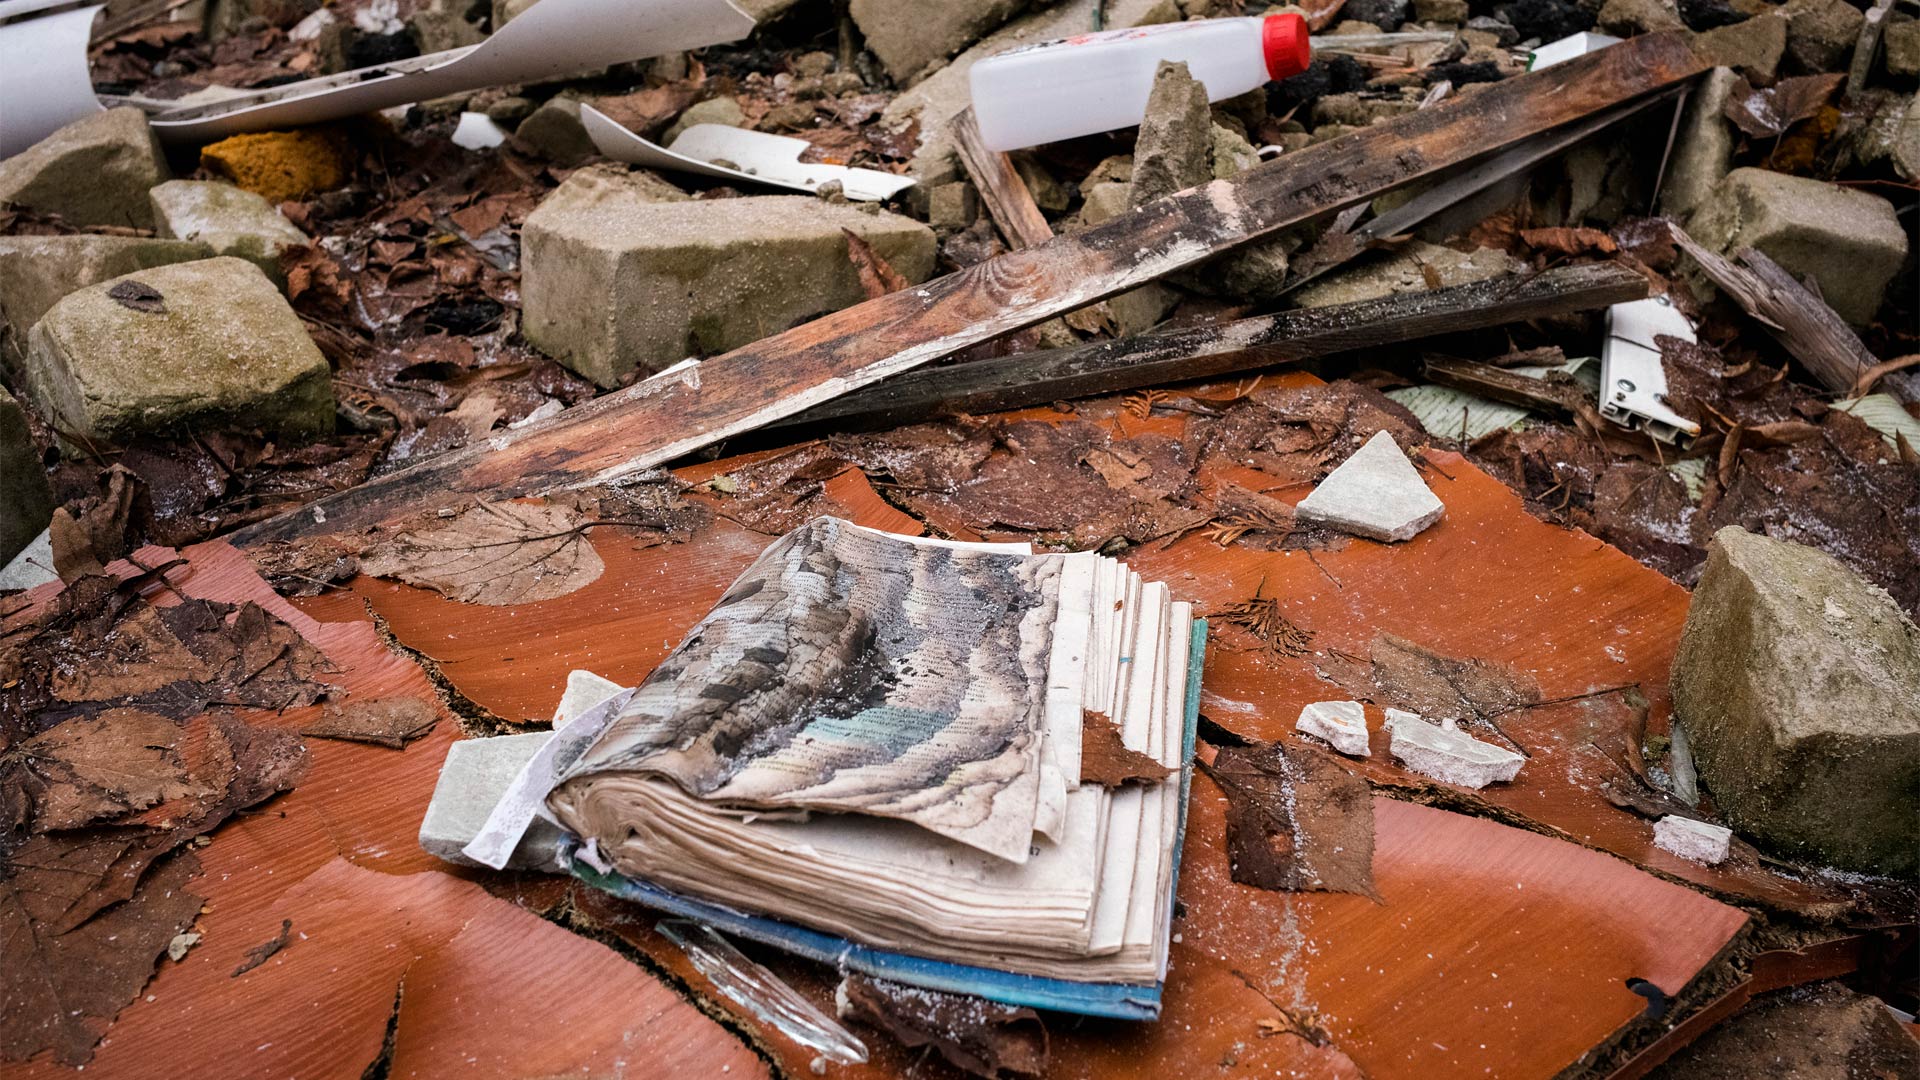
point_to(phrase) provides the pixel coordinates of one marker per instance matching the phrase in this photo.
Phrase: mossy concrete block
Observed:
(36, 271)
(207, 345)
(1846, 239)
(227, 219)
(94, 171)
(26, 502)
(613, 280)
(1798, 684)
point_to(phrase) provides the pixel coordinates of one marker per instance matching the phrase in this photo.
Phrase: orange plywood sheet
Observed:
(339, 857)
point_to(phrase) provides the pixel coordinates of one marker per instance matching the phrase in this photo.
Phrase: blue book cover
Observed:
(1123, 1001)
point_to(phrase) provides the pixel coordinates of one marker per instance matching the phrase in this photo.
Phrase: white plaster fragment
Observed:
(1376, 493)
(1448, 754)
(1342, 723)
(1690, 839)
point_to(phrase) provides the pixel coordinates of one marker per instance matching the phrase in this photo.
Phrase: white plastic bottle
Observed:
(1100, 82)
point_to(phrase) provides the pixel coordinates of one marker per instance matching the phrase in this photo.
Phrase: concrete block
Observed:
(614, 281)
(26, 501)
(228, 220)
(1375, 493)
(1447, 754)
(909, 37)
(1699, 841)
(1902, 42)
(1341, 723)
(1846, 239)
(1754, 47)
(476, 774)
(554, 132)
(94, 171)
(1704, 147)
(36, 271)
(1799, 687)
(208, 345)
(1821, 34)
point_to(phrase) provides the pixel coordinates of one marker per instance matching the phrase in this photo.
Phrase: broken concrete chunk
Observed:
(476, 774)
(1799, 684)
(227, 219)
(584, 691)
(94, 171)
(909, 37)
(1821, 34)
(1820, 1032)
(1448, 754)
(207, 345)
(554, 132)
(1417, 268)
(1847, 239)
(1754, 46)
(1902, 42)
(1629, 17)
(718, 110)
(1375, 493)
(1172, 152)
(36, 271)
(26, 501)
(1453, 12)
(1691, 839)
(615, 281)
(1703, 147)
(1341, 723)
(435, 30)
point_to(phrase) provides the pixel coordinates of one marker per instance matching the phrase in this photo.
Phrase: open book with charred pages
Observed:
(871, 751)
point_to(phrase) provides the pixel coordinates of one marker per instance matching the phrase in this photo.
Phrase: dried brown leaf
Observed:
(90, 768)
(1768, 113)
(1438, 687)
(1105, 759)
(1569, 241)
(983, 1037)
(264, 951)
(499, 553)
(392, 722)
(139, 296)
(877, 276)
(1296, 822)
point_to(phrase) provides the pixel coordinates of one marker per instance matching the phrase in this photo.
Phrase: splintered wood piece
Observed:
(673, 414)
(1499, 384)
(1807, 327)
(339, 857)
(1008, 200)
(1205, 352)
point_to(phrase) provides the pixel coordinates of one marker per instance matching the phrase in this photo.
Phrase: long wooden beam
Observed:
(1206, 352)
(663, 418)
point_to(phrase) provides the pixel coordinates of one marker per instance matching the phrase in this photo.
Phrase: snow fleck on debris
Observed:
(1690, 839)
(1448, 754)
(1376, 493)
(1341, 723)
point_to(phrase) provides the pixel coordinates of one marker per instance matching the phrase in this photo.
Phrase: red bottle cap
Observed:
(1284, 40)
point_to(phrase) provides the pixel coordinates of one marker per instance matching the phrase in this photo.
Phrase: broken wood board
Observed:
(339, 856)
(1206, 352)
(673, 414)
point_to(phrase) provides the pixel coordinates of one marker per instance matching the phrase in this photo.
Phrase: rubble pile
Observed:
(1533, 383)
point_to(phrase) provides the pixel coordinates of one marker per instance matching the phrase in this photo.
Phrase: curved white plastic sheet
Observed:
(44, 82)
(763, 158)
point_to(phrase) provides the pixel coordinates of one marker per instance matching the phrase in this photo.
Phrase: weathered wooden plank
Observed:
(670, 415)
(1208, 351)
(1009, 203)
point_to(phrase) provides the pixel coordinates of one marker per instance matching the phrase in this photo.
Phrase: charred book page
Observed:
(851, 671)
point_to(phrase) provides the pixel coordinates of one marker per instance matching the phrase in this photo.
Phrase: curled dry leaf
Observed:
(1295, 820)
(1768, 113)
(392, 722)
(1570, 241)
(983, 1037)
(96, 767)
(139, 296)
(494, 553)
(877, 276)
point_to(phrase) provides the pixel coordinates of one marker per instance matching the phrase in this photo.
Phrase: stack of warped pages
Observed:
(870, 752)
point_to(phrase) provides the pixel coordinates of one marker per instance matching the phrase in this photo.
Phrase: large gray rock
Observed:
(1846, 239)
(907, 37)
(1798, 684)
(36, 271)
(208, 345)
(26, 502)
(227, 219)
(614, 280)
(94, 171)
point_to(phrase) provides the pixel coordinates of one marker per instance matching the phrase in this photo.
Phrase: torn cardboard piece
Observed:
(732, 153)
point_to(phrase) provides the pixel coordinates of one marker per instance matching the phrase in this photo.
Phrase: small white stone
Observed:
(1375, 493)
(1448, 754)
(1690, 839)
(1342, 723)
